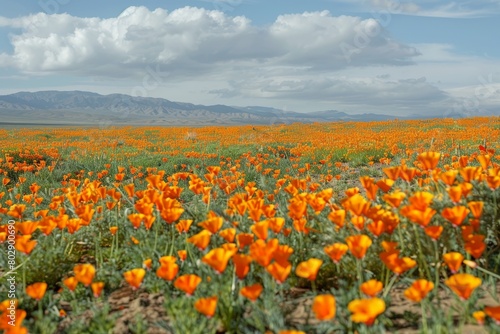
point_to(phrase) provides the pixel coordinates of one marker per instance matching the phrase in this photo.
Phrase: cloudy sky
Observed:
(430, 57)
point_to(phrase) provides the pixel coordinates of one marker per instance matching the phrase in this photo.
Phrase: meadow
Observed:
(341, 227)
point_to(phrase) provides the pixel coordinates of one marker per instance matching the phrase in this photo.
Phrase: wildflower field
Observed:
(306, 228)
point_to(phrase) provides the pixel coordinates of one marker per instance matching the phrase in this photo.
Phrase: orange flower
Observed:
(396, 264)
(372, 287)
(146, 264)
(309, 269)
(282, 254)
(228, 234)
(357, 205)
(212, 224)
(337, 217)
(241, 264)
(200, 240)
(70, 283)
(182, 254)
(84, 273)
(336, 251)
(113, 230)
(418, 290)
(463, 284)
(395, 198)
(187, 283)
(97, 288)
(260, 229)
(475, 245)
(134, 277)
(476, 208)
(278, 271)
(24, 244)
(455, 215)
(433, 231)
(453, 260)
(366, 310)
(324, 307)
(421, 200)
(217, 259)
(429, 160)
(206, 306)
(262, 252)
(493, 312)
(36, 290)
(358, 245)
(479, 316)
(244, 239)
(252, 292)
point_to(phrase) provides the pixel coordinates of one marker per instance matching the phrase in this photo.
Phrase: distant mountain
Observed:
(86, 108)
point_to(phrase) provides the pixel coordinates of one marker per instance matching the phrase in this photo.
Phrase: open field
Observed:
(342, 227)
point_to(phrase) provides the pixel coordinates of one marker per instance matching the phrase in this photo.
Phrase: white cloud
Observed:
(192, 41)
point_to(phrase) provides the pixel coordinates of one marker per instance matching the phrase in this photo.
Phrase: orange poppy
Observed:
(70, 283)
(262, 252)
(97, 288)
(309, 269)
(371, 288)
(493, 312)
(463, 284)
(228, 234)
(252, 292)
(434, 231)
(244, 239)
(476, 208)
(212, 224)
(134, 277)
(84, 273)
(241, 264)
(218, 258)
(394, 199)
(418, 290)
(260, 229)
(282, 254)
(358, 245)
(187, 283)
(453, 260)
(337, 217)
(36, 290)
(456, 214)
(24, 244)
(324, 307)
(429, 160)
(278, 271)
(206, 306)
(200, 240)
(182, 254)
(366, 310)
(336, 251)
(475, 245)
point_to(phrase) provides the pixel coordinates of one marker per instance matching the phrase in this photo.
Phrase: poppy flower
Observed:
(429, 160)
(476, 208)
(394, 199)
(252, 292)
(336, 251)
(260, 229)
(453, 260)
(206, 306)
(187, 283)
(366, 310)
(309, 269)
(262, 252)
(463, 284)
(278, 271)
(324, 307)
(282, 254)
(456, 214)
(200, 240)
(493, 312)
(228, 234)
(244, 239)
(337, 217)
(134, 277)
(84, 273)
(433, 232)
(113, 230)
(97, 288)
(24, 244)
(70, 283)
(418, 290)
(358, 245)
(241, 264)
(479, 316)
(212, 224)
(421, 200)
(371, 288)
(168, 268)
(36, 290)
(217, 259)
(475, 245)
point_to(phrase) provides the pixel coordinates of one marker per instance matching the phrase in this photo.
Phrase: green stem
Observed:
(421, 255)
(388, 287)
(424, 318)
(360, 272)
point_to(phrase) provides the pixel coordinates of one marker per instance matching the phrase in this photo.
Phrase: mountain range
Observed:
(87, 108)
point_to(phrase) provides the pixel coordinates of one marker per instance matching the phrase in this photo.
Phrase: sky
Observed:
(425, 58)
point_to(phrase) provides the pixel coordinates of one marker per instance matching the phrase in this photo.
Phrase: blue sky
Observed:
(383, 56)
